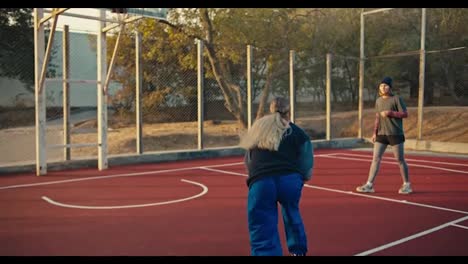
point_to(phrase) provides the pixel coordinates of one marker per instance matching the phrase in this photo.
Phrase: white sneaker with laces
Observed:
(405, 188)
(366, 188)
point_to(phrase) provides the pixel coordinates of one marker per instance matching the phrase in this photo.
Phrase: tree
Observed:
(17, 45)
(337, 32)
(446, 30)
(225, 34)
(170, 51)
(391, 33)
(169, 67)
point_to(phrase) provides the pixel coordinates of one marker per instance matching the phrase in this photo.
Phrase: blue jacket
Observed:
(294, 155)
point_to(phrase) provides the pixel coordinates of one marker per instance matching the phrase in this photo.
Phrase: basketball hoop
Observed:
(119, 10)
(120, 13)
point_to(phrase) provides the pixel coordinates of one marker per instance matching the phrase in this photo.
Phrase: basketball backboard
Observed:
(159, 13)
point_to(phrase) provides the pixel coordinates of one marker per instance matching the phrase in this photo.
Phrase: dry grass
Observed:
(158, 137)
(446, 124)
(17, 143)
(439, 124)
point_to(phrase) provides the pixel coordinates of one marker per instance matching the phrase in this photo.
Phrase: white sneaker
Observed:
(405, 188)
(296, 255)
(366, 188)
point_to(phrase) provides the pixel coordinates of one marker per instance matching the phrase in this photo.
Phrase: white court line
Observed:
(461, 226)
(418, 160)
(453, 223)
(225, 172)
(389, 162)
(387, 199)
(368, 252)
(115, 176)
(124, 175)
(357, 194)
(205, 190)
(310, 186)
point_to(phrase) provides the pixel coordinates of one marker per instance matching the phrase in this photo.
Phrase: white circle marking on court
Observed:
(205, 190)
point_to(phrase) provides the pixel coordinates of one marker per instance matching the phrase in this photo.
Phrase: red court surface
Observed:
(198, 208)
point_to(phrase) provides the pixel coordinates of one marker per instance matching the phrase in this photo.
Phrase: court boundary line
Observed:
(101, 177)
(416, 160)
(391, 244)
(357, 194)
(329, 155)
(208, 167)
(403, 240)
(114, 176)
(394, 163)
(461, 226)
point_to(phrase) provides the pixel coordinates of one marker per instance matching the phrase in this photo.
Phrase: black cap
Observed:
(388, 81)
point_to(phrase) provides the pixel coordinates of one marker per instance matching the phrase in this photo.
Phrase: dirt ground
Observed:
(448, 124)
(439, 124)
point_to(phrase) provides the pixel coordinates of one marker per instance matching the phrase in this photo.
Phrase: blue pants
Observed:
(262, 205)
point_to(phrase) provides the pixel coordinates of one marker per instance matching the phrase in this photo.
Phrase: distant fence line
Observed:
(325, 92)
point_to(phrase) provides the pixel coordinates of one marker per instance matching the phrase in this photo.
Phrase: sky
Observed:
(79, 24)
(84, 25)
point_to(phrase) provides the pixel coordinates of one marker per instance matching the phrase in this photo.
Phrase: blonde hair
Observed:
(267, 132)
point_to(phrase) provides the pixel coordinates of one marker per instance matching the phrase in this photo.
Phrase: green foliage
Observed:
(152, 101)
(399, 31)
(17, 44)
(169, 51)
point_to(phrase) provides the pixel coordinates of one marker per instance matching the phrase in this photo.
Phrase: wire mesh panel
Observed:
(446, 57)
(406, 88)
(82, 96)
(344, 96)
(76, 95)
(446, 87)
(225, 102)
(446, 76)
(444, 68)
(169, 77)
(392, 52)
(169, 100)
(122, 89)
(17, 134)
(270, 78)
(260, 86)
(310, 94)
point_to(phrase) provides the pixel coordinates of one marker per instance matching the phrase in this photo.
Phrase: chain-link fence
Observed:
(169, 92)
(444, 71)
(311, 94)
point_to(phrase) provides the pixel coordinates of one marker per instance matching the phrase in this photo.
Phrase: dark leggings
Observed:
(398, 152)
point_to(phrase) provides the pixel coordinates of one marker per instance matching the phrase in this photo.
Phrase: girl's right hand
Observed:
(384, 113)
(373, 138)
